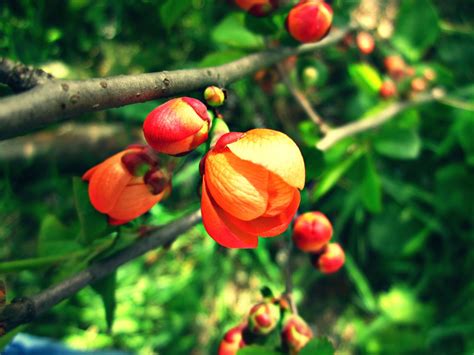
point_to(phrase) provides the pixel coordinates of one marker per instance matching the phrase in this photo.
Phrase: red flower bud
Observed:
(309, 20)
(418, 84)
(258, 8)
(232, 341)
(177, 126)
(365, 42)
(312, 231)
(295, 334)
(331, 259)
(388, 89)
(263, 318)
(116, 191)
(395, 66)
(214, 96)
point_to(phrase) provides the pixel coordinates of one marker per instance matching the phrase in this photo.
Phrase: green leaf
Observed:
(365, 77)
(257, 350)
(55, 238)
(464, 129)
(398, 143)
(361, 283)
(171, 11)
(319, 346)
(105, 288)
(219, 58)
(416, 29)
(371, 187)
(93, 223)
(231, 31)
(333, 174)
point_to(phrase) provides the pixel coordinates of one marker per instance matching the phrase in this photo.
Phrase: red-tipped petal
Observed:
(88, 174)
(222, 233)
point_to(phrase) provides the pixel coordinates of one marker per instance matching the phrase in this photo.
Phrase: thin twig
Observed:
(288, 277)
(24, 310)
(303, 101)
(336, 134)
(58, 100)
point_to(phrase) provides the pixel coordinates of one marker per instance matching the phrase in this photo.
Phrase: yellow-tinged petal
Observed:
(134, 201)
(273, 150)
(238, 186)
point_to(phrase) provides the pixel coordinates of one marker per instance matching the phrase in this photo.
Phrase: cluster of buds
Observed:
(312, 232)
(401, 75)
(263, 320)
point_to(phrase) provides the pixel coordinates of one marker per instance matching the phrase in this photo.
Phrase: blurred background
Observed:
(401, 197)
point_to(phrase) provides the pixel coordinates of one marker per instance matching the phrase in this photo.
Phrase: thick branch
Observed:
(20, 77)
(335, 135)
(57, 100)
(24, 310)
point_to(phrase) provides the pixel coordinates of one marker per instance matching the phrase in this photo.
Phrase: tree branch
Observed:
(57, 100)
(20, 77)
(336, 134)
(303, 101)
(23, 310)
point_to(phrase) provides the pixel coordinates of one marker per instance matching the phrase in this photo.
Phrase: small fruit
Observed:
(418, 84)
(263, 318)
(388, 89)
(214, 96)
(295, 334)
(309, 20)
(331, 259)
(312, 231)
(395, 66)
(365, 42)
(232, 341)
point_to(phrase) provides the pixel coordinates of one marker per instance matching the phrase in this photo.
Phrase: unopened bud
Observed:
(214, 96)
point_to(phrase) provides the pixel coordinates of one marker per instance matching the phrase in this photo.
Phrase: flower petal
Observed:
(239, 187)
(280, 195)
(222, 233)
(274, 151)
(134, 201)
(88, 174)
(107, 182)
(270, 226)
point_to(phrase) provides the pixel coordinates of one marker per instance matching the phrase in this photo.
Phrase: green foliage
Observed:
(318, 346)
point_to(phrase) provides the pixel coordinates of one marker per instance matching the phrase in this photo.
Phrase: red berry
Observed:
(331, 259)
(365, 42)
(312, 231)
(388, 89)
(309, 20)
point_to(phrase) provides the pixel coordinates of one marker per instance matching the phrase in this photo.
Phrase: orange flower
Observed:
(257, 7)
(232, 341)
(250, 187)
(312, 231)
(177, 126)
(126, 185)
(309, 20)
